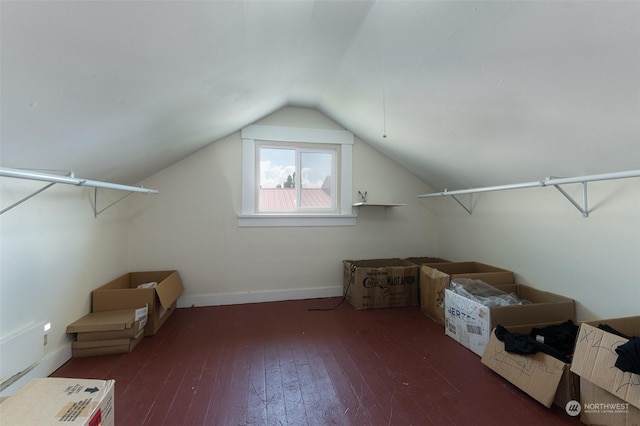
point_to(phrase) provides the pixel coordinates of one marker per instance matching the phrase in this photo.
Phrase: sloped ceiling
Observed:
(468, 93)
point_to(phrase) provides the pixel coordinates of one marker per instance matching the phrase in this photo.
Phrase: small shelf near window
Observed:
(378, 204)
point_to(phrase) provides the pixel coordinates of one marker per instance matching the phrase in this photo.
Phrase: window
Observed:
(296, 177)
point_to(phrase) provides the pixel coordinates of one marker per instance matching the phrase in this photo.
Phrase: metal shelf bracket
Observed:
(96, 213)
(22, 200)
(584, 209)
(468, 209)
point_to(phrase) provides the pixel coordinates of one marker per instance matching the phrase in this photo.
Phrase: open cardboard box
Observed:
(595, 357)
(380, 283)
(55, 401)
(122, 293)
(435, 278)
(470, 323)
(546, 379)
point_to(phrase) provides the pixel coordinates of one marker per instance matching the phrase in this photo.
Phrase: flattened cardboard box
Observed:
(546, 379)
(380, 283)
(595, 357)
(55, 401)
(435, 278)
(81, 349)
(107, 325)
(122, 293)
(470, 323)
(600, 408)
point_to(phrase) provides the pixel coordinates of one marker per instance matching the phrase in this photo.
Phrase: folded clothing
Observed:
(561, 337)
(628, 353)
(555, 340)
(629, 356)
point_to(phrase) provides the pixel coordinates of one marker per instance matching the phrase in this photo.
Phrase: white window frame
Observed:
(278, 134)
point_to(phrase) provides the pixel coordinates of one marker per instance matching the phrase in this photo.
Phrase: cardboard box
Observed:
(380, 283)
(599, 407)
(122, 293)
(435, 278)
(106, 325)
(55, 401)
(82, 349)
(546, 379)
(470, 323)
(595, 357)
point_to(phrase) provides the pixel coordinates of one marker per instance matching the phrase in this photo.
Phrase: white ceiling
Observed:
(468, 93)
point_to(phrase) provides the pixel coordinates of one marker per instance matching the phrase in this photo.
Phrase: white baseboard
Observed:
(43, 368)
(213, 299)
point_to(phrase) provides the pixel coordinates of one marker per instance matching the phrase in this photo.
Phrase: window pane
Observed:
(316, 180)
(277, 180)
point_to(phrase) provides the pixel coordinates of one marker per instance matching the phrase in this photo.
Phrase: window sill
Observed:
(265, 220)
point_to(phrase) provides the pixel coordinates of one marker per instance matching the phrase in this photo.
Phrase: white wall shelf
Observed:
(378, 204)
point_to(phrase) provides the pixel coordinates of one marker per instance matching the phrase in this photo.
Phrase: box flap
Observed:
(594, 360)
(537, 374)
(433, 273)
(539, 296)
(104, 321)
(109, 300)
(432, 285)
(169, 289)
(544, 306)
(467, 267)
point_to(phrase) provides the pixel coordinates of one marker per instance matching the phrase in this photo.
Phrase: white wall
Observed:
(545, 240)
(53, 252)
(192, 226)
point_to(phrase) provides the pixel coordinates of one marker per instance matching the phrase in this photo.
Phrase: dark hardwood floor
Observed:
(282, 364)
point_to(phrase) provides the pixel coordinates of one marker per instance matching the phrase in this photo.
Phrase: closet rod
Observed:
(548, 181)
(70, 180)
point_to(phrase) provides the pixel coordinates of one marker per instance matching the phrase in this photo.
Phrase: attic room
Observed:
(187, 99)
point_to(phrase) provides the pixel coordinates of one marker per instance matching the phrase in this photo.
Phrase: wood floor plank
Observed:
(238, 392)
(223, 375)
(326, 405)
